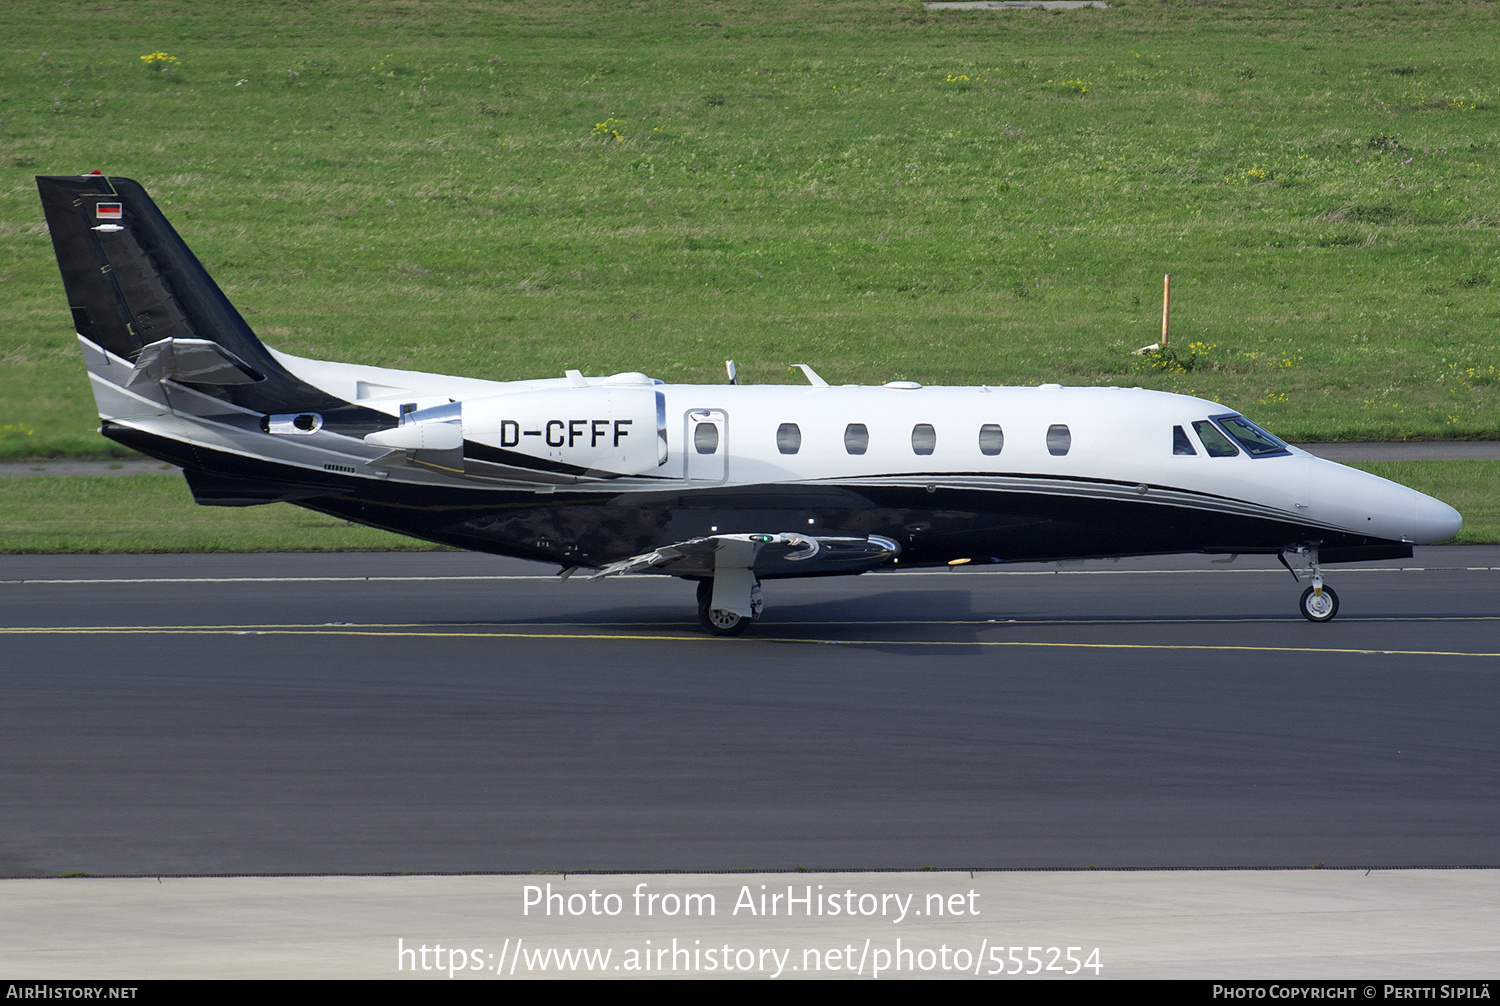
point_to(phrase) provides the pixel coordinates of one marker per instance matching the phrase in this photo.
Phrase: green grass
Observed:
(156, 513)
(507, 190)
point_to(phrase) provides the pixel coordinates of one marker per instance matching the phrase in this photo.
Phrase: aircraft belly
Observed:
(931, 528)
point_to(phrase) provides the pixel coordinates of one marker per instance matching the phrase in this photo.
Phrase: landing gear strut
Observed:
(1318, 603)
(723, 621)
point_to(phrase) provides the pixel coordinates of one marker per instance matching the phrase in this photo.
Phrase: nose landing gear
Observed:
(1318, 603)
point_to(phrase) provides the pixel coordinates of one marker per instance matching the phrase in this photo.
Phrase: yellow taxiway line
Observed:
(417, 633)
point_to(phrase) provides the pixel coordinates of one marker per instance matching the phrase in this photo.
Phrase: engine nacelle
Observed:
(440, 428)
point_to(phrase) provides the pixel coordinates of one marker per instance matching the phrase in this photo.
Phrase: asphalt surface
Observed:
(193, 714)
(1419, 450)
(1016, 5)
(134, 466)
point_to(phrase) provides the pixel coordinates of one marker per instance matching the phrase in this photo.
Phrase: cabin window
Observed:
(1059, 440)
(788, 438)
(923, 439)
(705, 438)
(1180, 442)
(1216, 443)
(856, 438)
(1256, 441)
(991, 439)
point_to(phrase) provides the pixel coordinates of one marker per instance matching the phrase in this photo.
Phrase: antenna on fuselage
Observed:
(810, 374)
(734, 375)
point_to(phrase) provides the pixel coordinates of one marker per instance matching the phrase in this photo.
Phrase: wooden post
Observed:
(1166, 306)
(1166, 303)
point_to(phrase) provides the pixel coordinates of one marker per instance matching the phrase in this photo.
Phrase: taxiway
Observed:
(444, 712)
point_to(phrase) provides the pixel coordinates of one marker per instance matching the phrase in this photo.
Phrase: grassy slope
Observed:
(156, 513)
(508, 190)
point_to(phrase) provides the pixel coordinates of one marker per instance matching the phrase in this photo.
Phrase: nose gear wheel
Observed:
(1319, 607)
(1319, 603)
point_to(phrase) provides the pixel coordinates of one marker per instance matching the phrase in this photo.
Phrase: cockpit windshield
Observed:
(1217, 445)
(1256, 441)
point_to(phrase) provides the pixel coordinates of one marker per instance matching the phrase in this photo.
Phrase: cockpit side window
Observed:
(1256, 441)
(1215, 442)
(1180, 442)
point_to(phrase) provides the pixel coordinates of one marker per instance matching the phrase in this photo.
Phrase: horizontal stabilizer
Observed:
(191, 361)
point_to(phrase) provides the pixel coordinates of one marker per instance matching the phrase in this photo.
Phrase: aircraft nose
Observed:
(1433, 520)
(1363, 502)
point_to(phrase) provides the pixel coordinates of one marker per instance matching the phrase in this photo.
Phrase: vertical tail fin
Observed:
(132, 283)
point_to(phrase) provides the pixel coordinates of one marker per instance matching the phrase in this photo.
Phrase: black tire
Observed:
(720, 622)
(717, 621)
(1319, 609)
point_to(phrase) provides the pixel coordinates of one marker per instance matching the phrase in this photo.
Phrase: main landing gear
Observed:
(1319, 603)
(727, 621)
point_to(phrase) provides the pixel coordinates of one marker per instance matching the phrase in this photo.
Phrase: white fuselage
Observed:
(1120, 436)
(628, 434)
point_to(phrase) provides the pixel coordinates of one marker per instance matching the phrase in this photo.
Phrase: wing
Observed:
(784, 554)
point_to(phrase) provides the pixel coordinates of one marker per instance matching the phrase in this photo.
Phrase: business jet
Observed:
(725, 485)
